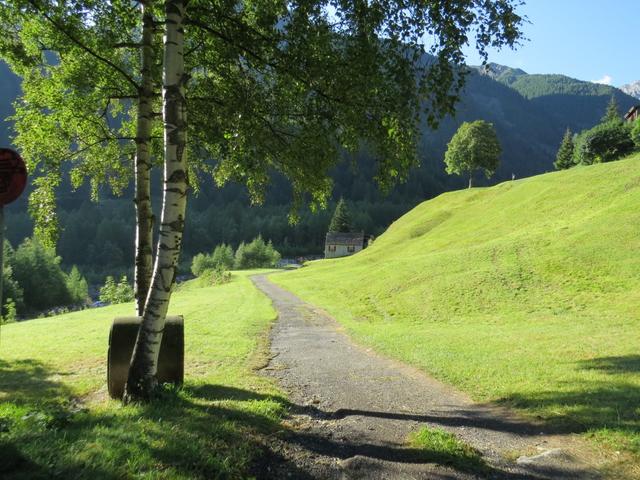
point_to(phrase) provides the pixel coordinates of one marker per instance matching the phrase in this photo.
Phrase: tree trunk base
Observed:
(122, 339)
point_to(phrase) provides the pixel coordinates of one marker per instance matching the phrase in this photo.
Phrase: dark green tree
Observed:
(341, 220)
(77, 286)
(223, 256)
(564, 157)
(612, 113)
(474, 146)
(37, 270)
(605, 142)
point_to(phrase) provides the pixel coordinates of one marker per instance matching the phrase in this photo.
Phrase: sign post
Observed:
(13, 179)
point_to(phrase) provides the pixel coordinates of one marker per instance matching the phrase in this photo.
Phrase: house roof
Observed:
(339, 238)
(631, 110)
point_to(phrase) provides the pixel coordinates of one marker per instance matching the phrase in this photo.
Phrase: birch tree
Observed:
(275, 86)
(144, 363)
(88, 72)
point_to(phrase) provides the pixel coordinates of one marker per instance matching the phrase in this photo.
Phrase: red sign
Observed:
(13, 175)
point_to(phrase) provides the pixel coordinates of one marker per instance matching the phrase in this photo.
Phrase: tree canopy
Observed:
(271, 86)
(474, 146)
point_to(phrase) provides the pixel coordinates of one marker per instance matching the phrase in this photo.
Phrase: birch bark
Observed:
(144, 212)
(142, 379)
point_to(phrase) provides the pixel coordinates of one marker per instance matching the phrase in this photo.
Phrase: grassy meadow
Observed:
(56, 419)
(526, 294)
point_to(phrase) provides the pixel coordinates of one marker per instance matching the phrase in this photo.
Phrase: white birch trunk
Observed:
(144, 363)
(144, 212)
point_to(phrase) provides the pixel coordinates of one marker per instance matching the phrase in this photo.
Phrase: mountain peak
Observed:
(501, 73)
(632, 89)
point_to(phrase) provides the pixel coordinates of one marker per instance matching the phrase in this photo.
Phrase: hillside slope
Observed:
(525, 293)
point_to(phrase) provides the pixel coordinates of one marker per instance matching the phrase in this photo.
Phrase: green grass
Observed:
(440, 446)
(526, 293)
(56, 418)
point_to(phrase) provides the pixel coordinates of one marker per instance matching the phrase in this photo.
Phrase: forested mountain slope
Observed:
(575, 103)
(530, 123)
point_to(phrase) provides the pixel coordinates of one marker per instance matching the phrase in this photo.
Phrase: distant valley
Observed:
(530, 114)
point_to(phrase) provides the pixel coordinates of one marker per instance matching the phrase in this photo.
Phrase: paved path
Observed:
(356, 409)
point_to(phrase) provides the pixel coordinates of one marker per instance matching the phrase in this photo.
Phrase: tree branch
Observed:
(84, 47)
(269, 63)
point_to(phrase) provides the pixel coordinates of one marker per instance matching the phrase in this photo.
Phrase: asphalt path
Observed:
(354, 410)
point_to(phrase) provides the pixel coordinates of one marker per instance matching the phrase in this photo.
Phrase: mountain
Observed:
(632, 89)
(530, 114)
(501, 73)
(570, 102)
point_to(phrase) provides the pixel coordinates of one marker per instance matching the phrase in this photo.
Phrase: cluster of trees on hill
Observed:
(34, 282)
(610, 140)
(567, 101)
(255, 254)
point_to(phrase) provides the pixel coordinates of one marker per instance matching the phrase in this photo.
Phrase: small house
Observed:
(338, 244)
(633, 114)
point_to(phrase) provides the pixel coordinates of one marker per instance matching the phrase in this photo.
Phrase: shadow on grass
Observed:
(203, 431)
(30, 380)
(611, 402)
(47, 433)
(614, 365)
(213, 392)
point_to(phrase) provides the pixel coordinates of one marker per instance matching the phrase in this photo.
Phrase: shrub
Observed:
(219, 275)
(9, 314)
(201, 263)
(113, 293)
(256, 254)
(11, 290)
(603, 143)
(222, 256)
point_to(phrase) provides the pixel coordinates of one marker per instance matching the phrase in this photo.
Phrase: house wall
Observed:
(341, 251)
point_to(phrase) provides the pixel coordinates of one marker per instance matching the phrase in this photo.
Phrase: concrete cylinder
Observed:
(122, 339)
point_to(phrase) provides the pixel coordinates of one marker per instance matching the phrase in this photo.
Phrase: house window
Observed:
(332, 248)
(351, 249)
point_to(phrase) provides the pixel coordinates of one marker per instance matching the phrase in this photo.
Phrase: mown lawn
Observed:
(56, 419)
(526, 294)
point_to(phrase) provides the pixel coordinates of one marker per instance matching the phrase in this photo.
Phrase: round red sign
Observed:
(13, 175)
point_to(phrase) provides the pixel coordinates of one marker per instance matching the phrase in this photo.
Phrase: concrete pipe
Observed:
(122, 338)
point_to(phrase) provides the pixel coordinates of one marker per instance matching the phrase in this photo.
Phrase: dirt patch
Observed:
(354, 411)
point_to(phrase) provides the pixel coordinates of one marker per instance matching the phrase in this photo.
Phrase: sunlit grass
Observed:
(443, 447)
(526, 293)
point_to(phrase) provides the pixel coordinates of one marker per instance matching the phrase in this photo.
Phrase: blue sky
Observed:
(585, 39)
